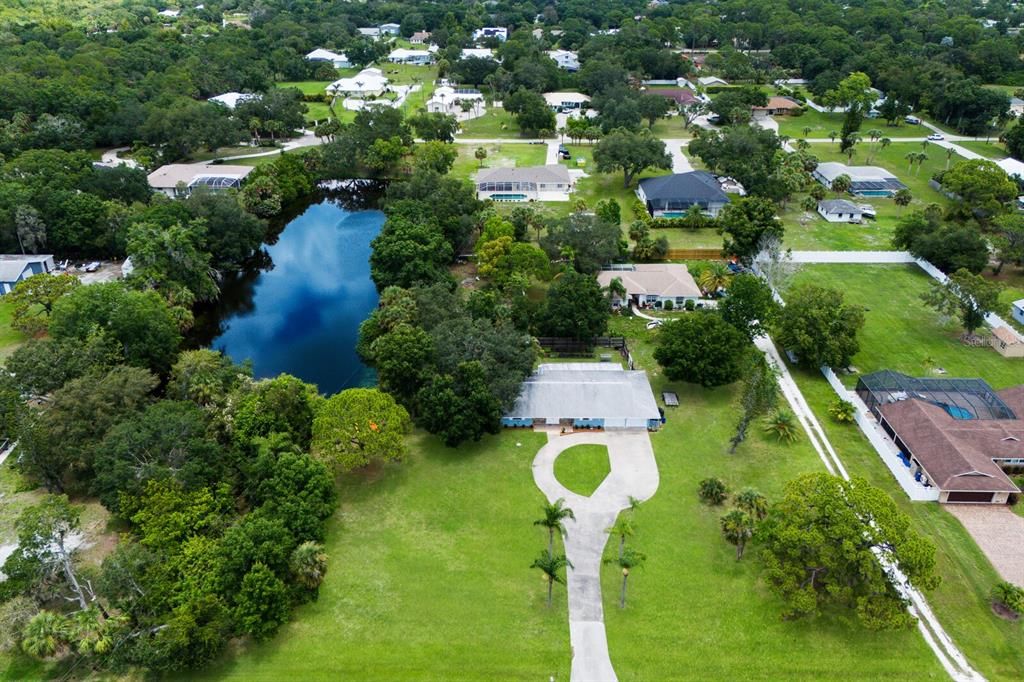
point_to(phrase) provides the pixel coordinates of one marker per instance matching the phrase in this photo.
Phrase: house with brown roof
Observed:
(652, 284)
(1006, 342)
(958, 435)
(777, 106)
(680, 96)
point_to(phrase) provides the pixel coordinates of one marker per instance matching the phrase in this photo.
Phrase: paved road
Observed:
(634, 472)
(112, 158)
(680, 164)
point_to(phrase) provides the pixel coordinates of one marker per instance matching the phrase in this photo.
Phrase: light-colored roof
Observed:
(167, 177)
(839, 206)
(1019, 304)
(779, 103)
(555, 173)
(555, 98)
(833, 169)
(367, 80)
(404, 53)
(233, 99)
(656, 279)
(370, 32)
(586, 391)
(477, 52)
(1005, 335)
(711, 80)
(322, 55)
(13, 266)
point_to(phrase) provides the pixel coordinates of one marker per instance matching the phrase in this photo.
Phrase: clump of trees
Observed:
(820, 327)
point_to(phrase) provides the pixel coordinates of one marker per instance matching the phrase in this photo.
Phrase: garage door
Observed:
(969, 497)
(614, 423)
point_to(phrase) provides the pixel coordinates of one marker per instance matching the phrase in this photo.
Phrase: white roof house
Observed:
(179, 179)
(566, 60)
(368, 82)
(1017, 310)
(653, 282)
(390, 29)
(448, 100)
(232, 99)
(372, 32)
(402, 55)
(338, 59)
(586, 394)
(15, 268)
(869, 181)
(711, 80)
(566, 100)
(169, 13)
(477, 53)
(532, 183)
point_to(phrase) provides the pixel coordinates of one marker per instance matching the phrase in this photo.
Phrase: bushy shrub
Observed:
(842, 411)
(713, 491)
(669, 305)
(689, 305)
(1010, 596)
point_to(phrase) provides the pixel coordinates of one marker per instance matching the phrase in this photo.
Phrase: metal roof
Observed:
(688, 188)
(580, 390)
(973, 395)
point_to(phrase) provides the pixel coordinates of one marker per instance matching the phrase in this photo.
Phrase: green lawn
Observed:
(582, 468)
(9, 338)
(495, 123)
(902, 333)
(821, 124)
(315, 87)
(429, 577)
(512, 154)
(671, 128)
(693, 611)
(993, 150)
(806, 230)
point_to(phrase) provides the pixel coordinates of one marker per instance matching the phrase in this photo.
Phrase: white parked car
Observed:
(935, 137)
(654, 324)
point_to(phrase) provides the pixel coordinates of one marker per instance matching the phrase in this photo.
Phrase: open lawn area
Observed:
(582, 468)
(807, 230)
(820, 123)
(495, 123)
(499, 155)
(429, 577)
(671, 128)
(693, 607)
(902, 333)
(992, 150)
(9, 338)
(315, 87)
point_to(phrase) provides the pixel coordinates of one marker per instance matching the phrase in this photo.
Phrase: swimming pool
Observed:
(508, 197)
(957, 412)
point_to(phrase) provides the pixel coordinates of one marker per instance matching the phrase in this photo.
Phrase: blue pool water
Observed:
(957, 412)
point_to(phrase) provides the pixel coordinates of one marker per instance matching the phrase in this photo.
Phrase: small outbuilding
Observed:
(1006, 342)
(1017, 310)
(840, 211)
(585, 395)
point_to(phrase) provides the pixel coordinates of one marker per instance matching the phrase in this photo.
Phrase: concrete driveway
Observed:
(633, 473)
(999, 533)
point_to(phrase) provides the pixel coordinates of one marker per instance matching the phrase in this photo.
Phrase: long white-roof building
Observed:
(366, 83)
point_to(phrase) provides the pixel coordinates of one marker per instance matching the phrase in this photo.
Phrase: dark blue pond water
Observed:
(302, 315)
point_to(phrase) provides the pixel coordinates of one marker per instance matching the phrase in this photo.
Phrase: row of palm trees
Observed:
(552, 565)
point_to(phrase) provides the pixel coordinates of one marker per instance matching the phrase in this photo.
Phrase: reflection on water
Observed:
(302, 315)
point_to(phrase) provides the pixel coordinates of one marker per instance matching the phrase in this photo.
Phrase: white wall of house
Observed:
(1018, 312)
(840, 217)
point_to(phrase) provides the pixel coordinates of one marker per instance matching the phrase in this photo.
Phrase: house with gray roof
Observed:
(671, 196)
(585, 395)
(15, 268)
(532, 183)
(840, 211)
(865, 181)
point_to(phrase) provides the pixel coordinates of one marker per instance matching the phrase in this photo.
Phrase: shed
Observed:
(1006, 342)
(15, 268)
(840, 211)
(1017, 310)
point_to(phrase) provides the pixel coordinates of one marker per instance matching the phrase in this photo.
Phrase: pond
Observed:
(298, 311)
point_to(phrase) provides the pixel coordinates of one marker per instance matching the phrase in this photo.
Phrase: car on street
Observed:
(912, 120)
(935, 137)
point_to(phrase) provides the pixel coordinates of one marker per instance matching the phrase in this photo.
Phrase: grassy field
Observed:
(820, 123)
(495, 123)
(315, 87)
(498, 156)
(806, 230)
(902, 333)
(10, 338)
(671, 128)
(993, 150)
(429, 577)
(693, 607)
(582, 468)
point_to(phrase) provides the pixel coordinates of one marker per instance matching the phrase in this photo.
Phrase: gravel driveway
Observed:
(999, 533)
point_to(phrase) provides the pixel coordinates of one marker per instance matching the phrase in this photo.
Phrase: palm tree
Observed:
(554, 513)
(921, 158)
(911, 158)
(480, 155)
(784, 426)
(884, 142)
(802, 145)
(624, 528)
(616, 289)
(903, 197)
(309, 564)
(713, 491)
(832, 135)
(714, 277)
(45, 634)
(949, 156)
(628, 560)
(254, 129)
(551, 565)
(807, 130)
(561, 134)
(737, 527)
(753, 502)
(874, 135)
